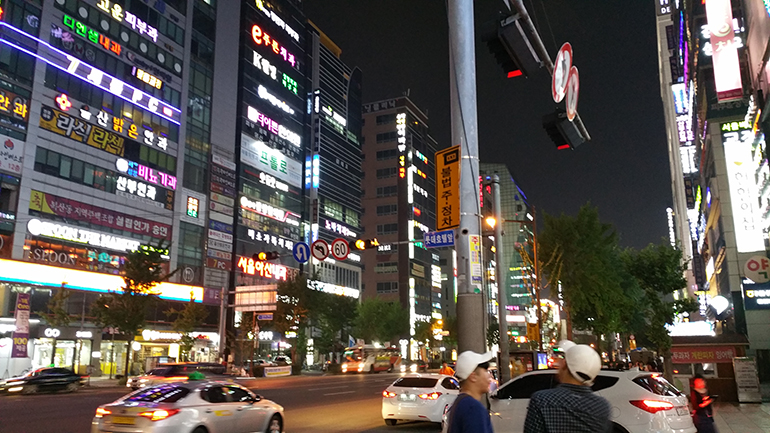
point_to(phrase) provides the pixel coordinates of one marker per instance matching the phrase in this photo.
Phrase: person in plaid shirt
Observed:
(572, 407)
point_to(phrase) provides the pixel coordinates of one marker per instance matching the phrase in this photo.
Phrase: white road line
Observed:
(328, 387)
(338, 393)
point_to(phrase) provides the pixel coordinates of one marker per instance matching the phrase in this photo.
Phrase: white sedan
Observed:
(419, 397)
(641, 402)
(190, 407)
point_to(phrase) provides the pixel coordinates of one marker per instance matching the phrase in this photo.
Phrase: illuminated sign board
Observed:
(133, 188)
(401, 131)
(708, 48)
(687, 154)
(277, 20)
(727, 68)
(743, 192)
(83, 31)
(271, 71)
(270, 239)
(333, 289)
(67, 63)
(335, 117)
(264, 94)
(263, 269)
(148, 174)
(14, 105)
(262, 38)
(756, 296)
(272, 161)
(273, 126)
(70, 127)
(340, 228)
(266, 179)
(269, 211)
(47, 229)
(119, 14)
(664, 7)
(147, 77)
(192, 207)
(131, 130)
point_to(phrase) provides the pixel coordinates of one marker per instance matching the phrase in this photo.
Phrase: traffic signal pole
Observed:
(471, 312)
(502, 284)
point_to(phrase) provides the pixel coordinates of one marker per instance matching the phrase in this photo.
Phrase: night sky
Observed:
(402, 45)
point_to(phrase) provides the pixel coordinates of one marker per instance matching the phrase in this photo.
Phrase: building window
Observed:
(384, 173)
(387, 287)
(386, 268)
(387, 191)
(389, 209)
(191, 242)
(384, 119)
(387, 229)
(386, 137)
(387, 154)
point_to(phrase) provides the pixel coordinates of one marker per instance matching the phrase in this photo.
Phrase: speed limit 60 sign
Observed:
(340, 249)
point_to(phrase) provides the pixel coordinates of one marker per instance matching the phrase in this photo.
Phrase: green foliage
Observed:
(334, 315)
(241, 342)
(57, 314)
(493, 333)
(381, 321)
(294, 312)
(450, 324)
(187, 320)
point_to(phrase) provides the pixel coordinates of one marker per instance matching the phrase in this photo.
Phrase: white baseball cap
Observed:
(565, 345)
(468, 361)
(583, 363)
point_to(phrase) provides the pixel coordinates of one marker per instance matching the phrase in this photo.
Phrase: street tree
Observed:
(294, 311)
(381, 320)
(126, 310)
(187, 319)
(334, 315)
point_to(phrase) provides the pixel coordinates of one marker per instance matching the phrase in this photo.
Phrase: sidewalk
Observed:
(742, 418)
(101, 382)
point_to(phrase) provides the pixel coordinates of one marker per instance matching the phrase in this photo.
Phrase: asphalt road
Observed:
(312, 404)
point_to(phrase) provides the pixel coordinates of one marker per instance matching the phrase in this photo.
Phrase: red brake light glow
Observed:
(431, 396)
(562, 147)
(516, 73)
(100, 412)
(159, 415)
(652, 406)
(388, 394)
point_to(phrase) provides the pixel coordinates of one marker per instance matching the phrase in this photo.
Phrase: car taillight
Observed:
(652, 406)
(431, 396)
(100, 412)
(175, 378)
(388, 394)
(160, 414)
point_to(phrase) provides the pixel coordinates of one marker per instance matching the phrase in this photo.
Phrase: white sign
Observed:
(743, 191)
(278, 102)
(340, 228)
(757, 269)
(219, 245)
(747, 380)
(340, 249)
(221, 236)
(272, 161)
(272, 182)
(270, 211)
(320, 249)
(85, 335)
(35, 227)
(11, 154)
(52, 332)
(561, 72)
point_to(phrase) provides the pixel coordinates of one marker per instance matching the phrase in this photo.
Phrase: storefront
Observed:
(711, 358)
(154, 346)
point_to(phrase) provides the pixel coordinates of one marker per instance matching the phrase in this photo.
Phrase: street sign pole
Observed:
(502, 284)
(471, 315)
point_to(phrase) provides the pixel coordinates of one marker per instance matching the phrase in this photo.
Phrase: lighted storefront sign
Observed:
(684, 128)
(335, 117)
(11, 154)
(67, 63)
(140, 189)
(420, 191)
(73, 210)
(264, 94)
(671, 233)
(277, 241)
(743, 193)
(706, 354)
(708, 49)
(119, 14)
(192, 207)
(47, 229)
(148, 78)
(664, 7)
(271, 71)
(260, 37)
(680, 98)
(273, 126)
(727, 68)
(120, 125)
(687, 154)
(401, 131)
(272, 182)
(420, 156)
(270, 211)
(262, 6)
(333, 289)
(272, 161)
(756, 296)
(263, 269)
(14, 105)
(85, 32)
(340, 228)
(150, 175)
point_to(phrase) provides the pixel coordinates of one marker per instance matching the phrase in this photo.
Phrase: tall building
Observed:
(399, 207)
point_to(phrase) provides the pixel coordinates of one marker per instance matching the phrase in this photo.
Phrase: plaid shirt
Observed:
(568, 409)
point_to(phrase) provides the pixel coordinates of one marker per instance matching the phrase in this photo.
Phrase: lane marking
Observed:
(328, 387)
(338, 393)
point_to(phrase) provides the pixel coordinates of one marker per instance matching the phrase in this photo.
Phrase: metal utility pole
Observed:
(502, 302)
(471, 314)
(537, 282)
(223, 293)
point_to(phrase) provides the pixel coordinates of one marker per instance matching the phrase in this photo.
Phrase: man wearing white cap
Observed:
(571, 407)
(467, 414)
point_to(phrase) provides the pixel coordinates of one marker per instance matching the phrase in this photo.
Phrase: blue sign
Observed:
(222, 227)
(265, 316)
(444, 238)
(301, 252)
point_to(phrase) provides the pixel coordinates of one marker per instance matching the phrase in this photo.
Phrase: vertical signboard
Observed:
(747, 380)
(448, 188)
(21, 334)
(475, 247)
(743, 191)
(727, 69)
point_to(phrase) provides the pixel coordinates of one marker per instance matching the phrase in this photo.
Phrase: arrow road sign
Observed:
(320, 249)
(301, 252)
(340, 249)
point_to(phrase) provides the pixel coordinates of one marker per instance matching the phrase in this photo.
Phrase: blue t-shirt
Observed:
(468, 415)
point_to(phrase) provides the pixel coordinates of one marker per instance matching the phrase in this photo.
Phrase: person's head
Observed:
(699, 384)
(581, 365)
(471, 370)
(443, 363)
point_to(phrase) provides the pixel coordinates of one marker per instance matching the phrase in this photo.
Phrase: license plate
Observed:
(122, 420)
(407, 397)
(682, 411)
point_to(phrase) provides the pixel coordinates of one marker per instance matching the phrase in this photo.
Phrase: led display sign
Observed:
(269, 211)
(263, 269)
(264, 94)
(67, 63)
(270, 239)
(36, 227)
(192, 207)
(84, 32)
(147, 77)
(727, 68)
(266, 179)
(67, 126)
(14, 105)
(262, 38)
(262, 6)
(263, 157)
(119, 14)
(743, 192)
(271, 71)
(273, 126)
(340, 228)
(148, 174)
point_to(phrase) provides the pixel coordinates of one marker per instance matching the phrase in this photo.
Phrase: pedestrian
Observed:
(445, 369)
(572, 406)
(467, 414)
(703, 411)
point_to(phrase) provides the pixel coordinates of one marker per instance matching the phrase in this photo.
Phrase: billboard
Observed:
(747, 216)
(727, 69)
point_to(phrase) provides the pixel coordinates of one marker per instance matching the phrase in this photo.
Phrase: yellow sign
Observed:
(78, 130)
(448, 188)
(533, 331)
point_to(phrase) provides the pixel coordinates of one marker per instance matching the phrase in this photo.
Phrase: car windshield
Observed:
(416, 382)
(657, 385)
(352, 356)
(159, 371)
(159, 394)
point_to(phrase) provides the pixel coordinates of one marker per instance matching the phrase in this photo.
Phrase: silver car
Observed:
(190, 407)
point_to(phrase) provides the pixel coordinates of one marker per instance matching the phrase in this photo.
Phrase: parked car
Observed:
(191, 406)
(175, 372)
(641, 402)
(419, 397)
(282, 360)
(44, 380)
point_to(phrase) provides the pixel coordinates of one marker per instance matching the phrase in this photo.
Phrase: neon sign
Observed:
(269, 211)
(401, 131)
(341, 229)
(20, 105)
(36, 227)
(262, 38)
(143, 172)
(271, 71)
(264, 94)
(88, 73)
(147, 77)
(277, 20)
(272, 182)
(63, 102)
(263, 269)
(92, 35)
(270, 239)
(192, 207)
(273, 126)
(140, 189)
(119, 14)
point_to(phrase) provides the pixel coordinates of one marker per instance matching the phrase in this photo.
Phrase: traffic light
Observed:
(507, 41)
(563, 133)
(265, 256)
(363, 244)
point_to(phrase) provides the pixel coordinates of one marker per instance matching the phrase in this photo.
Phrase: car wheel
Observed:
(31, 389)
(200, 430)
(390, 369)
(443, 417)
(72, 387)
(275, 425)
(616, 428)
(391, 421)
(371, 369)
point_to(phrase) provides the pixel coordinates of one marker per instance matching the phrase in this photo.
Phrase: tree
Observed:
(334, 315)
(241, 342)
(126, 310)
(57, 314)
(659, 271)
(381, 320)
(187, 320)
(293, 314)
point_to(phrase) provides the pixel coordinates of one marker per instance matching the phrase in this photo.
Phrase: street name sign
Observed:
(444, 238)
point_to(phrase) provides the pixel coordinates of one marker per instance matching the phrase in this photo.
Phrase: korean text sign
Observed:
(448, 188)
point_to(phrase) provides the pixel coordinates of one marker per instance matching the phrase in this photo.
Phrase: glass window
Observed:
(450, 383)
(602, 382)
(65, 167)
(657, 385)
(238, 394)
(215, 394)
(160, 394)
(415, 382)
(525, 386)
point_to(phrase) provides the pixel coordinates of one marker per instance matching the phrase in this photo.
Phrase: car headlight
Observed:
(403, 368)
(413, 368)
(143, 380)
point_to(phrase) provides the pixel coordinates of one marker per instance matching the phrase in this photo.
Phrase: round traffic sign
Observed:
(561, 72)
(301, 252)
(757, 269)
(573, 87)
(340, 249)
(320, 249)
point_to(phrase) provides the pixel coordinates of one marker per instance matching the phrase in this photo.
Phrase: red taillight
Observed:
(431, 396)
(388, 394)
(562, 147)
(652, 406)
(516, 73)
(100, 412)
(159, 414)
